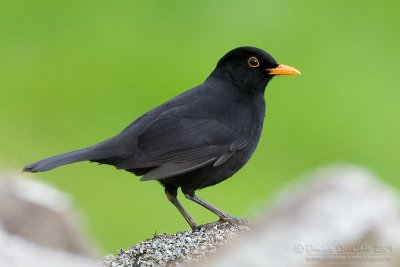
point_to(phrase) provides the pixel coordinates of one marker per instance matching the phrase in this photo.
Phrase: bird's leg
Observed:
(222, 215)
(171, 194)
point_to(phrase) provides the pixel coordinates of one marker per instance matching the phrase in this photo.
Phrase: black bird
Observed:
(197, 139)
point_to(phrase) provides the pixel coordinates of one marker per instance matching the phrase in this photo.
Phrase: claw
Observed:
(237, 221)
(208, 225)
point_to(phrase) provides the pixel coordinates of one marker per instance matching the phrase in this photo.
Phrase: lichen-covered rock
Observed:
(176, 250)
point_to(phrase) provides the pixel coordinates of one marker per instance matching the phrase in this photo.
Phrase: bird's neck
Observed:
(251, 87)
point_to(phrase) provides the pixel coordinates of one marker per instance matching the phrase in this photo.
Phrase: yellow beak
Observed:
(283, 70)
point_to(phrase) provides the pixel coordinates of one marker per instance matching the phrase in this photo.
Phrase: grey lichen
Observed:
(176, 250)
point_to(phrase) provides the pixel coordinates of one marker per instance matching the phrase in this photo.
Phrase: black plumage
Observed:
(197, 139)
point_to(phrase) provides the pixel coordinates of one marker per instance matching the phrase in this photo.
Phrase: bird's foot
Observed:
(208, 225)
(236, 221)
(230, 219)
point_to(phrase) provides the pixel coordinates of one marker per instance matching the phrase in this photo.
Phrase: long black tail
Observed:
(103, 152)
(59, 160)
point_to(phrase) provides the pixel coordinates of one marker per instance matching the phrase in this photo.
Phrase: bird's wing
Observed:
(176, 145)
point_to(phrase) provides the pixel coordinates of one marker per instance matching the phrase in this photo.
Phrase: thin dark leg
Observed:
(171, 194)
(222, 215)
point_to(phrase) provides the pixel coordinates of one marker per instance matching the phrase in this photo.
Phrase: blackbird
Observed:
(197, 139)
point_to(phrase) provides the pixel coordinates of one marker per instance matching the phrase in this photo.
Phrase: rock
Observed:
(176, 250)
(18, 252)
(38, 227)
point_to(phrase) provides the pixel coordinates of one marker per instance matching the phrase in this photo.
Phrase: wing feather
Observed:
(173, 169)
(176, 145)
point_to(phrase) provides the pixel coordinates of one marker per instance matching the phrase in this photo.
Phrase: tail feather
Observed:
(59, 160)
(104, 152)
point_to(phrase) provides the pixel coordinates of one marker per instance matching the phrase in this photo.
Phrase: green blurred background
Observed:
(73, 73)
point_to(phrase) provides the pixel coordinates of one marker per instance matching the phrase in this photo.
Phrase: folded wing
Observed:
(171, 146)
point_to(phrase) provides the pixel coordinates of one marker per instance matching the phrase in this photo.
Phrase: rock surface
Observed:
(38, 227)
(176, 250)
(18, 252)
(41, 214)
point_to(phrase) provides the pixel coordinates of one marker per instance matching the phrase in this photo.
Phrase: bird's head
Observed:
(251, 68)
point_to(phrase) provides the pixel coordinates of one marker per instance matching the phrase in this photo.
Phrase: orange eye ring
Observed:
(253, 62)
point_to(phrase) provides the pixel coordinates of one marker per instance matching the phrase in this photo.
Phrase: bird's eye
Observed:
(253, 62)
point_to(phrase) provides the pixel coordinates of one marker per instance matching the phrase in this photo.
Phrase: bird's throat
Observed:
(254, 84)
